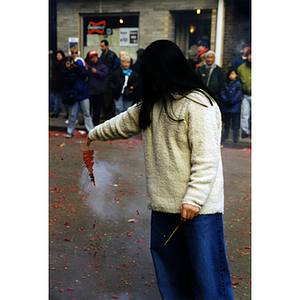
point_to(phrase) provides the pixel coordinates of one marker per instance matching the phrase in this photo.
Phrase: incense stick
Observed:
(172, 233)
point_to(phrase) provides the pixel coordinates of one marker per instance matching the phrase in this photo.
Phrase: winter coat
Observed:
(182, 159)
(74, 84)
(236, 62)
(108, 60)
(217, 76)
(244, 73)
(116, 82)
(95, 81)
(231, 95)
(57, 83)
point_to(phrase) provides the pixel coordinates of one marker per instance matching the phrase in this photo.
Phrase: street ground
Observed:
(99, 234)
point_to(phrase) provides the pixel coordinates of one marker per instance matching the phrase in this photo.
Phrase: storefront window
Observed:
(121, 32)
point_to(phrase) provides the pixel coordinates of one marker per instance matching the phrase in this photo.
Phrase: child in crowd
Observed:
(231, 95)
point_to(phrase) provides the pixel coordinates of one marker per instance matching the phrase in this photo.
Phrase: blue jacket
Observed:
(236, 62)
(74, 83)
(231, 96)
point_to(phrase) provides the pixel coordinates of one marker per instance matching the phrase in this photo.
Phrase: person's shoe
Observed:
(67, 121)
(54, 116)
(69, 136)
(244, 135)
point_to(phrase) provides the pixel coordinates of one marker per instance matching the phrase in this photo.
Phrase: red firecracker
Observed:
(88, 157)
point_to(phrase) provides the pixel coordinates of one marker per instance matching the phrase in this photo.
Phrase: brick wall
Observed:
(156, 21)
(237, 28)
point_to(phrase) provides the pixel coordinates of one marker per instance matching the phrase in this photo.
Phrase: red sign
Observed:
(96, 27)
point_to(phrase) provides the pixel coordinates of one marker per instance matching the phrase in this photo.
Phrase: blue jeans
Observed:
(122, 105)
(193, 264)
(73, 110)
(55, 102)
(246, 114)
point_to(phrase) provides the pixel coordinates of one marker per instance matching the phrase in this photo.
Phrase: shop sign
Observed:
(98, 27)
(129, 36)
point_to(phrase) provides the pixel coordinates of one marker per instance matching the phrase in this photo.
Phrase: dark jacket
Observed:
(109, 59)
(74, 84)
(231, 95)
(57, 83)
(216, 79)
(116, 82)
(95, 82)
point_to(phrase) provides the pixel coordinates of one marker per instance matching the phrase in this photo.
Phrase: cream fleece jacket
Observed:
(182, 159)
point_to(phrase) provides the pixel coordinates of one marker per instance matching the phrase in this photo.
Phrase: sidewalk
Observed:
(58, 124)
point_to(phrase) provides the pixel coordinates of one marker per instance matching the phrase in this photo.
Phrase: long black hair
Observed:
(165, 70)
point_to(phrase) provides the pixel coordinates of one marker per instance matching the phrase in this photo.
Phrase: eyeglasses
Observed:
(74, 52)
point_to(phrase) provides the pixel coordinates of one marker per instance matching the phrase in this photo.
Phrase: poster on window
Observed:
(129, 36)
(73, 41)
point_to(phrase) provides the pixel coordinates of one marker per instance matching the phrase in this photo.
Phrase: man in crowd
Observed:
(201, 48)
(236, 62)
(244, 74)
(108, 58)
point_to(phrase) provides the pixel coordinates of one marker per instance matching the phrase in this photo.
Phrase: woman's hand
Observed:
(189, 212)
(88, 141)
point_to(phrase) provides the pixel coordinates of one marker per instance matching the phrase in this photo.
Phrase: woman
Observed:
(124, 83)
(76, 91)
(56, 85)
(181, 127)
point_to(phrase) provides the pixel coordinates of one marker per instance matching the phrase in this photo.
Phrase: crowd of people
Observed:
(104, 84)
(108, 84)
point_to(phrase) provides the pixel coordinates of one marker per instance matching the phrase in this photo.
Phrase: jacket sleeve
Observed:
(135, 81)
(223, 93)
(122, 126)
(204, 131)
(221, 78)
(81, 72)
(238, 95)
(69, 78)
(102, 72)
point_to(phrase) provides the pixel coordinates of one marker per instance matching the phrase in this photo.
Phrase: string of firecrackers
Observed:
(88, 157)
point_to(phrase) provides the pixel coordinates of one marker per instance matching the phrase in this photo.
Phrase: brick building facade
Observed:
(175, 20)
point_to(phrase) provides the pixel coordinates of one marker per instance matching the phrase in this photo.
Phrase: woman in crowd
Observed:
(124, 83)
(76, 91)
(56, 84)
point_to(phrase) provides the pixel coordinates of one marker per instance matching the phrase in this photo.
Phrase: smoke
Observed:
(107, 180)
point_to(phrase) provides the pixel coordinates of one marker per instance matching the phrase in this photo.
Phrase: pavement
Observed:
(99, 235)
(58, 124)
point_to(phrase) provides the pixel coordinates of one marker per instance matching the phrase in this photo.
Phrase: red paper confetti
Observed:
(88, 157)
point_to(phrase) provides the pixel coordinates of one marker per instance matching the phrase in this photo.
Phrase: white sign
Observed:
(129, 36)
(73, 41)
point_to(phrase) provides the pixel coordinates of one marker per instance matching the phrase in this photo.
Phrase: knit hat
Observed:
(248, 51)
(92, 53)
(202, 43)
